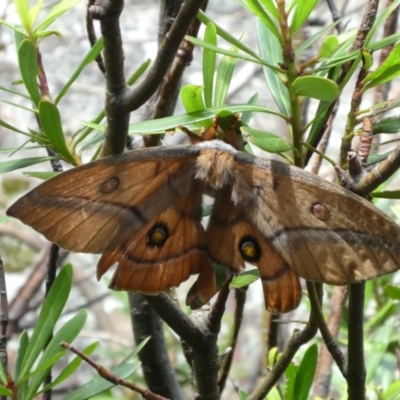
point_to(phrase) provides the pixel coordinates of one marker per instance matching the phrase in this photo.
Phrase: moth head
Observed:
(215, 164)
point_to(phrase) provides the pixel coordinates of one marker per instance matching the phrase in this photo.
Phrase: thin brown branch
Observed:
(329, 339)
(356, 373)
(109, 376)
(325, 361)
(240, 295)
(91, 33)
(4, 319)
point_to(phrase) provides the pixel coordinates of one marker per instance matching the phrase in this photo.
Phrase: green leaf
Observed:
(382, 338)
(273, 394)
(267, 141)
(255, 7)
(387, 125)
(58, 10)
(49, 315)
(329, 45)
(6, 166)
(192, 98)
(228, 37)
(271, 51)
(34, 11)
(27, 61)
(89, 58)
(3, 378)
(5, 392)
(22, 7)
(291, 373)
(98, 385)
(302, 12)
(209, 60)
(162, 124)
(247, 116)
(392, 292)
(22, 348)
(51, 123)
(67, 333)
(306, 372)
(245, 279)
(316, 87)
(41, 175)
(393, 392)
(387, 71)
(387, 194)
(71, 367)
(224, 77)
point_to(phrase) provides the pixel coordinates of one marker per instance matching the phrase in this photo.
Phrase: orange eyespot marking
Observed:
(249, 249)
(109, 185)
(157, 235)
(320, 211)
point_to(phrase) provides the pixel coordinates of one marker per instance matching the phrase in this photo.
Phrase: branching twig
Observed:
(109, 376)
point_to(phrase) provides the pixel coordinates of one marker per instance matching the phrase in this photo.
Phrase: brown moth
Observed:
(142, 210)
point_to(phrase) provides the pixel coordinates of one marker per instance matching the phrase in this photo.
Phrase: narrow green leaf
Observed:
(255, 7)
(302, 12)
(224, 77)
(393, 392)
(245, 279)
(59, 9)
(13, 27)
(6, 166)
(22, 7)
(3, 378)
(291, 374)
(247, 116)
(41, 175)
(225, 52)
(51, 123)
(5, 392)
(316, 87)
(271, 8)
(387, 71)
(209, 60)
(306, 372)
(387, 125)
(89, 58)
(192, 98)
(315, 38)
(67, 333)
(27, 61)
(34, 11)
(380, 20)
(163, 124)
(392, 292)
(380, 344)
(71, 367)
(243, 395)
(267, 141)
(43, 367)
(98, 384)
(22, 348)
(228, 37)
(387, 194)
(49, 314)
(271, 51)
